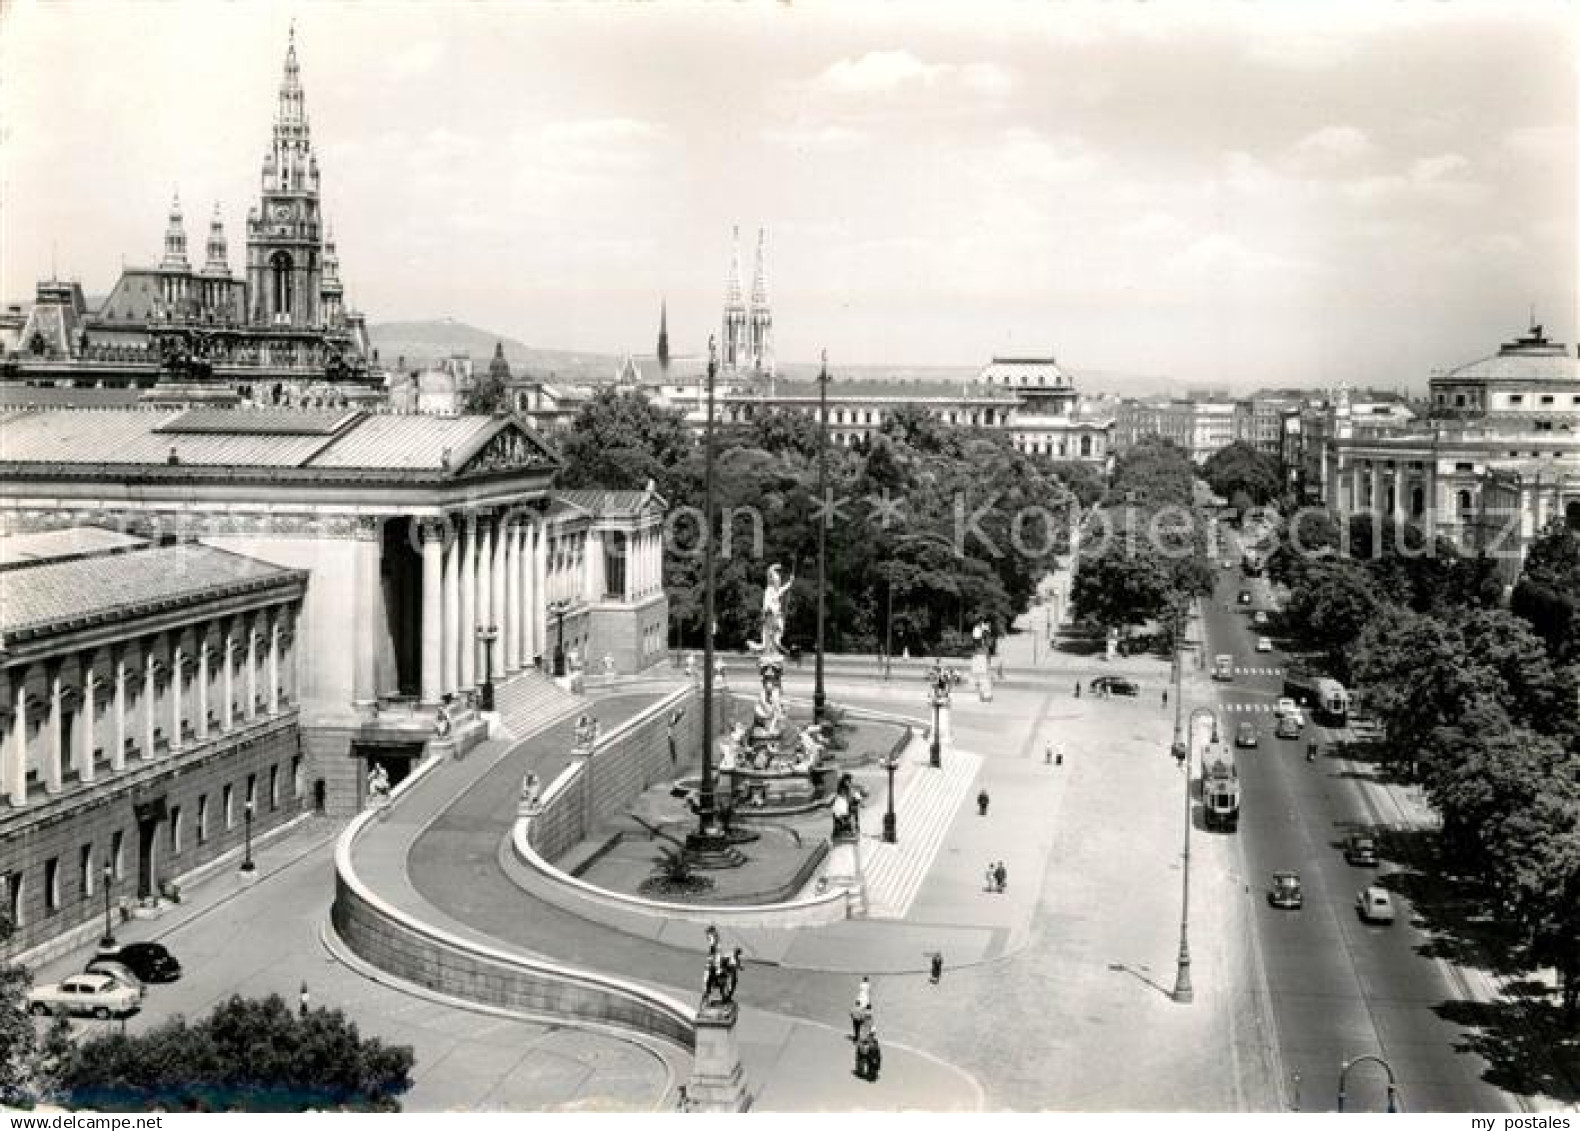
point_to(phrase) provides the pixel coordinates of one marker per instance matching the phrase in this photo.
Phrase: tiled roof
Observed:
(53, 593)
(1518, 366)
(259, 421)
(610, 504)
(132, 437)
(31, 396)
(70, 542)
(415, 442)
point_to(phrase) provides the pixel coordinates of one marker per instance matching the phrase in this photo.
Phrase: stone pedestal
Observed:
(718, 1082)
(946, 734)
(843, 870)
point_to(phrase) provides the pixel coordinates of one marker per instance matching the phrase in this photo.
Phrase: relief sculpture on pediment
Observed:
(508, 451)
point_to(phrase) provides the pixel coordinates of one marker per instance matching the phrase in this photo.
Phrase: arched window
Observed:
(1464, 501)
(1086, 445)
(1417, 501)
(280, 271)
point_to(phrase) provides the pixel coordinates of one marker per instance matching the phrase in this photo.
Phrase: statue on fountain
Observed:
(769, 649)
(812, 747)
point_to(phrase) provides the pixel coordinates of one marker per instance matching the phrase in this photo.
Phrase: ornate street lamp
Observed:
(891, 833)
(935, 753)
(486, 635)
(246, 812)
(708, 837)
(558, 609)
(819, 698)
(1184, 992)
(108, 940)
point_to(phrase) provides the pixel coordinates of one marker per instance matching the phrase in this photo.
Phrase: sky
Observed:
(1237, 194)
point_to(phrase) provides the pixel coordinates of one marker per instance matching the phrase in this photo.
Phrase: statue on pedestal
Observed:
(770, 647)
(586, 732)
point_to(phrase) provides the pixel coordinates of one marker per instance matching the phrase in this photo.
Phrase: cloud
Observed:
(1439, 179)
(1541, 143)
(810, 137)
(1331, 147)
(1028, 155)
(888, 72)
(419, 57)
(599, 132)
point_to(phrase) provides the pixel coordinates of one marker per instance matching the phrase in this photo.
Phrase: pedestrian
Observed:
(1000, 876)
(1165, 697)
(860, 1018)
(302, 1001)
(864, 994)
(1047, 755)
(938, 966)
(982, 803)
(1058, 759)
(1077, 689)
(990, 882)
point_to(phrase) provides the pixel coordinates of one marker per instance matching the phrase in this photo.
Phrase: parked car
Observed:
(1361, 851)
(120, 973)
(1288, 727)
(1285, 706)
(89, 995)
(1259, 618)
(150, 961)
(1374, 904)
(1286, 891)
(1263, 644)
(1116, 685)
(1245, 734)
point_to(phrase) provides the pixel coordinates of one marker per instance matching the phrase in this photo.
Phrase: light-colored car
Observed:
(1375, 905)
(1285, 706)
(1263, 644)
(90, 995)
(119, 972)
(1259, 617)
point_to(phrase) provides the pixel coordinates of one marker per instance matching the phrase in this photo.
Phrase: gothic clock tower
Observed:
(284, 232)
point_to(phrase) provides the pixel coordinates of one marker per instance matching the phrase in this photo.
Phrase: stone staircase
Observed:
(926, 806)
(529, 701)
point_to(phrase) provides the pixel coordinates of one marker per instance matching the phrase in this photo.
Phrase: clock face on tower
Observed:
(282, 211)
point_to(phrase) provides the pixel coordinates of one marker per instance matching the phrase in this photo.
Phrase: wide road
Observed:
(1339, 988)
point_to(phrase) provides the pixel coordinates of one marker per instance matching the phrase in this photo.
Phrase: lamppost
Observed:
(891, 832)
(246, 813)
(935, 753)
(709, 837)
(819, 699)
(486, 635)
(108, 940)
(558, 609)
(1393, 1084)
(1184, 992)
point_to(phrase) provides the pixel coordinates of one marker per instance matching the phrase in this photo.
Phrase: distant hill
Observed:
(433, 340)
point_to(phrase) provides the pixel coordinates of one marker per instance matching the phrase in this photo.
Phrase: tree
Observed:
(1310, 536)
(620, 440)
(1548, 591)
(1083, 480)
(29, 1068)
(1533, 692)
(1330, 604)
(1243, 475)
(781, 430)
(247, 1055)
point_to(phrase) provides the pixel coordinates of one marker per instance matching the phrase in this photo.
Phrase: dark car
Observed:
(1286, 891)
(1245, 734)
(150, 961)
(1361, 850)
(1116, 685)
(1288, 727)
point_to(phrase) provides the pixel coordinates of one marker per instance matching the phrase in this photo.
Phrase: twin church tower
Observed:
(747, 342)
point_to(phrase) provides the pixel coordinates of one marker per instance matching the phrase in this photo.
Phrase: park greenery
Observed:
(1244, 476)
(1477, 702)
(932, 528)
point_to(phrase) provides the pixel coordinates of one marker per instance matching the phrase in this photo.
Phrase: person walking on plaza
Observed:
(982, 803)
(864, 994)
(1165, 697)
(1000, 876)
(991, 882)
(1047, 755)
(937, 967)
(1077, 689)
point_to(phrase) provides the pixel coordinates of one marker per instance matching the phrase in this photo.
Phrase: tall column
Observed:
(499, 611)
(202, 687)
(15, 776)
(524, 580)
(85, 722)
(227, 715)
(364, 597)
(176, 717)
(274, 665)
(540, 587)
(512, 626)
(1377, 497)
(628, 582)
(449, 613)
(466, 624)
(150, 698)
(432, 623)
(485, 591)
(118, 732)
(52, 736)
(252, 669)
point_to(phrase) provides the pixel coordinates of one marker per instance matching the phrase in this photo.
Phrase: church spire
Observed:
(760, 320)
(732, 290)
(760, 274)
(663, 334)
(217, 261)
(175, 238)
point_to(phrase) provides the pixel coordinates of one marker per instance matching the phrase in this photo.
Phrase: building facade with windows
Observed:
(151, 696)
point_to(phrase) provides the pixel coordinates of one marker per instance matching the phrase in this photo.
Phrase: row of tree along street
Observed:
(1476, 701)
(933, 528)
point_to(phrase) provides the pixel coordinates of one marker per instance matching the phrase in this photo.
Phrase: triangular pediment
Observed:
(513, 448)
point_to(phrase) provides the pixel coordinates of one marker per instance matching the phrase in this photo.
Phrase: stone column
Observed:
(52, 736)
(524, 581)
(366, 548)
(252, 669)
(499, 611)
(466, 625)
(485, 592)
(227, 714)
(85, 722)
(1377, 496)
(202, 688)
(512, 626)
(274, 665)
(175, 695)
(449, 612)
(15, 776)
(432, 623)
(118, 734)
(540, 587)
(150, 698)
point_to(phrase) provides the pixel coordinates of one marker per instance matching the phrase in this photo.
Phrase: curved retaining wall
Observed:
(417, 952)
